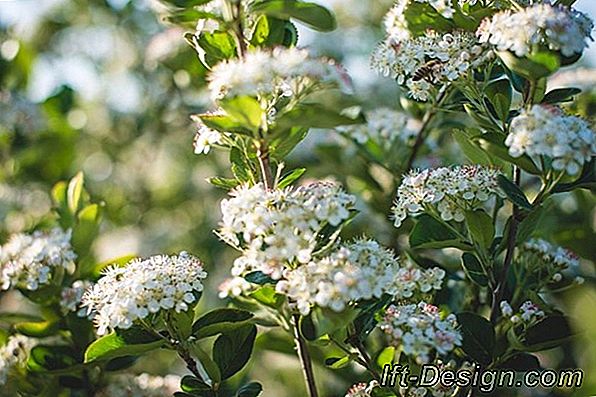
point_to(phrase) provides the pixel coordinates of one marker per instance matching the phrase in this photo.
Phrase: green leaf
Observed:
(44, 358)
(239, 165)
(119, 262)
(258, 277)
(495, 144)
(189, 17)
(215, 47)
(289, 178)
(472, 151)
(210, 366)
(192, 384)
(252, 389)
(552, 331)
(186, 3)
(271, 32)
(323, 321)
(130, 342)
(386, 356)
(267, 296)
(232, 350)
(224, 123)
(87, 228)
(473, 269)
(74, 191)
(500, 94)
(530, 223)
(481, 227)
(421, 17)
(560, 95)
(533, 67)
(37, 329)
(220, 320)
(245, 110)
(314, 115)
(312, 15)
(224, 183)
(340, 362)
(514, 193)
(430, 233)
(478, 337)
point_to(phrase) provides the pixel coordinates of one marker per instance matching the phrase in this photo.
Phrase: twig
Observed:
(304, 356)
(265, 166)
(499, 292)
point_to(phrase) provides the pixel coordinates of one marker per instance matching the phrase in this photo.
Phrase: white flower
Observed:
(506, 309)
(384, 126)
(205, 137)
(271, 74)
(546, 260)
(13, 354)
(274, 228)
(449, 191)
(568, 141)
(144, 286)
(31, 261)
(529, 312)
(429, 61)
(553, 27)
(234, 286)
(420, 331)
(362, 389)
(143, 385)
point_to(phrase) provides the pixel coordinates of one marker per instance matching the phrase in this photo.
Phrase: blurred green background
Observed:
(106, 87)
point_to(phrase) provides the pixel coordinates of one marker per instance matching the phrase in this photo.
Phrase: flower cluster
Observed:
(31, 261)
(71, 297)
(12, 354)
(546, 259)
(439, 389)
(546, 131)
(528, 313)
(281, 72)
(143, 385)
(357, 271)
(425, 62)
(276, 227)
(552, 27)
(234, 286)
(205, 137)
(447, 190)
(420, 331)
(144, 287)
(362, 389)
(384, 126)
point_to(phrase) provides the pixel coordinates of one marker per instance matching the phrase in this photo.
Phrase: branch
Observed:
(305, 359)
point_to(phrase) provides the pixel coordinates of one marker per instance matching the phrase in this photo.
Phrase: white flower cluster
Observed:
(12, 354)
(71, 297)
(143, 385)
(439, 389)
(281, 72)
(425, 62)
(420, 331)
(528, 313)
(357, 271)
(205, 136)
(362, 389)
(144, 287)
(234, 286)
(447, 190)
(568, 141)
(547, 259)
(384, 126)
(276, 227)
(553, 27)
(30, 261)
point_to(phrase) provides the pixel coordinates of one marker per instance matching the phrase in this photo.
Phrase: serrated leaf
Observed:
(130, 342)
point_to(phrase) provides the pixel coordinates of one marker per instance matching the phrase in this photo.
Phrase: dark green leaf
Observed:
(220, 320)
(514, 193)
(232, 350)
(494, 144)
(430, 233)
(530, 223)
(192, 384)
(258, 277)
(550, 332)
(186, 3)
(500, 94)
(521, 362)
(478, 337)
(481, 227)
(130, 342)
(52, 358)
(473, 269)
(252, 389)
(560, 95)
